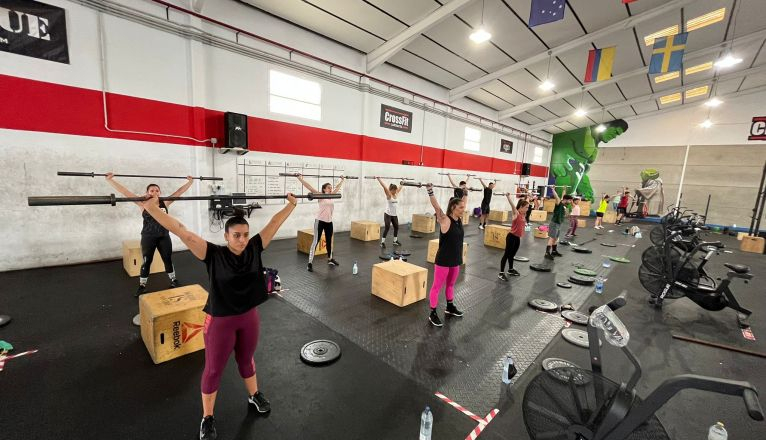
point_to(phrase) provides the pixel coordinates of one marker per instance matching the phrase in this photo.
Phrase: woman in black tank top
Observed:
(154, 237)
(449, 257)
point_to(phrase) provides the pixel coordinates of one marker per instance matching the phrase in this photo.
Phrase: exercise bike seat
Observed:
(739, 268)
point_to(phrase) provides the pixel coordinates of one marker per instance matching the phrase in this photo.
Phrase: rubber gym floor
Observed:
(92, 377)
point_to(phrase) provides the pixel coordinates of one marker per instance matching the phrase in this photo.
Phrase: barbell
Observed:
(92, 174)
(314, 175)
(112, 200)
(388, 178)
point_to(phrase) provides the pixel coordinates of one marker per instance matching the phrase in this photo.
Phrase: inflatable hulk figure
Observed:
(573, 153)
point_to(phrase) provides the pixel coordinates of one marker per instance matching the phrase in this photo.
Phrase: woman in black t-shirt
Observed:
(153, 235)
(237, 286)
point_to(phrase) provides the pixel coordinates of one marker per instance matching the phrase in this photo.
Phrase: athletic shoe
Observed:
(396, 243)
(573, 235)
(433, 318)
(173, 283)
(548, 256)
(141, 290)
(556, 254)
(383, 244)
(513, 273)
(502, 276)
(332, 262)
(452, 310)
(310, 267)
(207, 429)
(481, 227)
(260, 402)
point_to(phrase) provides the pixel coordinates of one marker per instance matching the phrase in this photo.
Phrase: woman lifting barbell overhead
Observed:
(237, 287)
(323, 221)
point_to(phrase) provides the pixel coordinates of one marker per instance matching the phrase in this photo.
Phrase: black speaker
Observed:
(235, 130)
(526, 169)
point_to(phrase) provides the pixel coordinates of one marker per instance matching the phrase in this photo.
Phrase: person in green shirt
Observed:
(554, 227)
(603, 205)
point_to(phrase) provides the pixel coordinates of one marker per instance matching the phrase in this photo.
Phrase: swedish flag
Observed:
(668, 54)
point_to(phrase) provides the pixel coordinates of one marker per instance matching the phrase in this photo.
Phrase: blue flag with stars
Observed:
(668, 54)
(546, 11)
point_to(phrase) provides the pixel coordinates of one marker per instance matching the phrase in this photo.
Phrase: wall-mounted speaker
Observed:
(235, 130)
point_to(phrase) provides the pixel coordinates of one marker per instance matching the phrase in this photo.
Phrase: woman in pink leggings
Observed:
(449, 257)
(237, 287)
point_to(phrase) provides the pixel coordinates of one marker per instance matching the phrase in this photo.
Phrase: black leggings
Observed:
(389, 220)
(512, 243)
(148, 245)
(320, 226)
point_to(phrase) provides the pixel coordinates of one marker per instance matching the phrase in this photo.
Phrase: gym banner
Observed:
(506, 146)
(33, 29)
(395, 119)
(758, 129)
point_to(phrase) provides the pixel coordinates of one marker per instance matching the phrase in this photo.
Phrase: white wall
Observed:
(151, 64)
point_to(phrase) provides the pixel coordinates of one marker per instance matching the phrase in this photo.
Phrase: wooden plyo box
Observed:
(306, 237)
(498, 216)
(740, 235)
(610, 217)
(494, 235)
(538, 215)
(540, 234)
(365, 230)
(132, 259)
(752, 244)
(584, 208)
(399, 282)
(172, 322)
(423, 223)
(581, 223)
(549, 204)
(433, 246)
(466, 217)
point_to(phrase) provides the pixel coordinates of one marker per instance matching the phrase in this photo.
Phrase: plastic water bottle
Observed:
(509, 370)
(355, 269)
(607, 263)
(392, 257)
(717, 432)
(599, 285)
(426, 424)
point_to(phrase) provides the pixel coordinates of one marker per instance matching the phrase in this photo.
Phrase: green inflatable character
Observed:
(575, 151)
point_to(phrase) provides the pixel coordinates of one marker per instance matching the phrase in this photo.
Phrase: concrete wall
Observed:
(52, 119)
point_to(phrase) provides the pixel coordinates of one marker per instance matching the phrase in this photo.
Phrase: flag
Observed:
(546, 11)
(600, 63)
(668, 54)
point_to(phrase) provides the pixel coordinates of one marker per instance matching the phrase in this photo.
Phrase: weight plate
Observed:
(620, 259)
(320, 352)
(564, 242)
(540, 267)
(583, 281)
(585, 272)
(402, 253)
(575, 336)
(575, 316)
(522, 259)
(385, 257)
(415, 236)
(4, 319)
(564, 285)
(551, 363)
(609, 244)
(137, 320)
(582, 250)
(544, 305)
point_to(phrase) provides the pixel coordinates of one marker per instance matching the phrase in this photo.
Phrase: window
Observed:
(290, 95)
(538, 155)
(472, 139)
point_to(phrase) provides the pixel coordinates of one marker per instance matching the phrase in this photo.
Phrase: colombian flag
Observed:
(599, 64)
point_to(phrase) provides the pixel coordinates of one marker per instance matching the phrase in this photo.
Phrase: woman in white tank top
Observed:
(323, 221)
(390, 216)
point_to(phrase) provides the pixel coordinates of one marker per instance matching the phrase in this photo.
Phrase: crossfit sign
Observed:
(395, 119)
(758, 129)
(33, 29)
(506, 146)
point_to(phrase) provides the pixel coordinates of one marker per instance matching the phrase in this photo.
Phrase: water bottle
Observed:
(426, 424)
(392, 257)
(607, 263)
(717, 432)
(509, 370)
(599, 285)
(355, 269)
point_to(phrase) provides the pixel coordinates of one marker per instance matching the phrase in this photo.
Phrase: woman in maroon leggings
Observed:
(237, 286)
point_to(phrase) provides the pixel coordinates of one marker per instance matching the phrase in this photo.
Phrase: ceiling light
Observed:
(672, 30)
(707, 123)
(697, 91)
(667, 99)
(547, 85)
(666, 77)
(580, 112)
(480, 35)
(699, 68)
(728, 61)
(705, 20)
(713, 102)
(600, 128)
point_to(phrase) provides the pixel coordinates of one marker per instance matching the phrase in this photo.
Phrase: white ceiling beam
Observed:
(636, 100)
(513, 111)
(380, 54)
(628, 23)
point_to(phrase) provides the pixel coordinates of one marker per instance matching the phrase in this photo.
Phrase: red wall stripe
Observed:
(54, 108)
